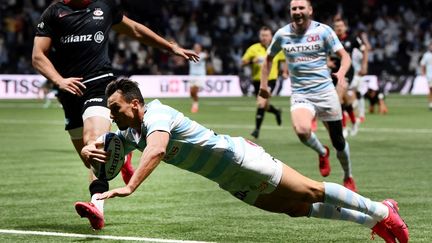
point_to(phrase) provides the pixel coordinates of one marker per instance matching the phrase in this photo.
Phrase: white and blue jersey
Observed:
(306, 55)
(198, 68)
(191, 146)
(427, 62)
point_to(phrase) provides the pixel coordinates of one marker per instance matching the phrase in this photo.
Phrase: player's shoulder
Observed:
(320, 26)
(53, 9)
(283, 30)
(255, 46)
(157, 107)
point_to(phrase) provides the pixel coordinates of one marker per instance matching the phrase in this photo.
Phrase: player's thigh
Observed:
(96, 122)
(302, 109)
(293, 194)
(301, 118)
(350, 96)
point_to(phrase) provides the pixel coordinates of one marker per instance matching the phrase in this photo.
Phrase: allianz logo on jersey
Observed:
(98, 37)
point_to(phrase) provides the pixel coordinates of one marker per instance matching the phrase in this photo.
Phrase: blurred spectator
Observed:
(398, 31)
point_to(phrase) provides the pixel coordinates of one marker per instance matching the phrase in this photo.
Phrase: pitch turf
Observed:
(41, 178)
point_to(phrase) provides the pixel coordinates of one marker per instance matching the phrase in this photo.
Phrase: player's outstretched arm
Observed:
(150, 159)
(147, 36)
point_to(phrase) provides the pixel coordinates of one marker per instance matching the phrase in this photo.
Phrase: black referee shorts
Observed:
(256, 84)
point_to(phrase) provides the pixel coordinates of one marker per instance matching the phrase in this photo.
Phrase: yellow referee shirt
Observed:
(255, 55)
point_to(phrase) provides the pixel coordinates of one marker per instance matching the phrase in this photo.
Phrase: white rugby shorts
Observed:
(325, 104)
(429, 79)
(196, 81)
(258, 173)
(356, 83)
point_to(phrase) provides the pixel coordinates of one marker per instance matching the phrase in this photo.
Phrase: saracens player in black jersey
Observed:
(71, 50)
(357, 46)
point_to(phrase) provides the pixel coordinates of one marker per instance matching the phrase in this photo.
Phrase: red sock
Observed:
(344, 118)
(127, 170)
(352, 116)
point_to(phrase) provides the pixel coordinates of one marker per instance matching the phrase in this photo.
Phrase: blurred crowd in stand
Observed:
(398, 31)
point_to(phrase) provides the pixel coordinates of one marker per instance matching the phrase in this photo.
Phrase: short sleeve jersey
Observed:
(191, 146)
(427, 62)
(306, 55)
(258, 52)
(79, 36)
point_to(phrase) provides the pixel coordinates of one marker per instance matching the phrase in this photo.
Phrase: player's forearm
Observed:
(150, 38)
(149, 161)
(345, 64)
(265, 71)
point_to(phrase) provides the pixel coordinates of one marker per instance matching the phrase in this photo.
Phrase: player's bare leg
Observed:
(301, 121)
(298, 196)
(194, 95)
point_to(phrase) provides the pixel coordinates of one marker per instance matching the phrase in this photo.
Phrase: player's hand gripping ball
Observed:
(114, 146)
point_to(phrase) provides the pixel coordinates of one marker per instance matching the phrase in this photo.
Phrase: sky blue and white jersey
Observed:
(191, 146)
(306, 55)
(198, 68)
(427, 61)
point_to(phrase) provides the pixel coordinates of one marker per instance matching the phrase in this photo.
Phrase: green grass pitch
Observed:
(41, 177)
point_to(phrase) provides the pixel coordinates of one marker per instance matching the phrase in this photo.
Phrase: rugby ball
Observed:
(114, 146)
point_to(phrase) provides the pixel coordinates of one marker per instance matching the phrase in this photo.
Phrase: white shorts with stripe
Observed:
(258, 173)
(325, 104)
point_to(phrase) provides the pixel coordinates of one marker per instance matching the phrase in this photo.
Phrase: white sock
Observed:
(328, 211)
(315, 144)
(98, 203)
(338, 195)
(361, 107)
(345, 160)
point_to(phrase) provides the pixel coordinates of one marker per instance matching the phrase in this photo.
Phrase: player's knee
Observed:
(303, 132)
(299, 210)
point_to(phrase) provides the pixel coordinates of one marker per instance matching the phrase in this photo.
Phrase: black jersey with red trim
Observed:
(349, 42)
(80, 36)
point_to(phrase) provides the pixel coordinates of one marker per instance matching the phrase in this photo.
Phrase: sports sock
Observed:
(328, 211)
(361, 107)
(343, 116)
(314, 143)
(96, 187)
(98, 203)
(345, 160)
(350, 111)
(272, 109)
(259, 118)
(338, 195)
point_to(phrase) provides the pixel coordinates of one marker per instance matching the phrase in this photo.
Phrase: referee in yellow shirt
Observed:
(255, 56)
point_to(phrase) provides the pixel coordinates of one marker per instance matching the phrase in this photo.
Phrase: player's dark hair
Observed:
(127, 87)
(265, 28)
(339, 18)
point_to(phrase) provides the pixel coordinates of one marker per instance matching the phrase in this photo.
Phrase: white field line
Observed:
(234, 126)
(105, 237)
